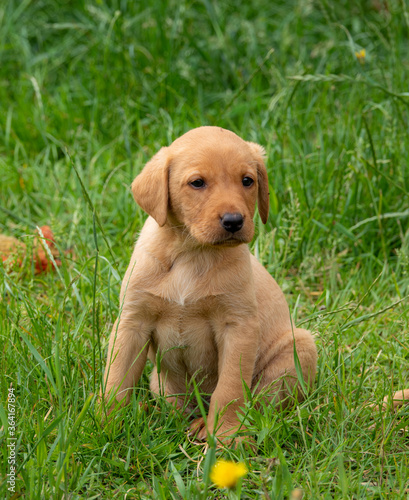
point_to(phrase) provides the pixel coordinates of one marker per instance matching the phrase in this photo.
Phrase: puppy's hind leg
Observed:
(277, 378)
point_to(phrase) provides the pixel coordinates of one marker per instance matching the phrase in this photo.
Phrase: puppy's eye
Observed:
(247, 181)
(198, 183)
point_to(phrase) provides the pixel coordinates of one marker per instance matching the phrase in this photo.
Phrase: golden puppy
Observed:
(194, 295)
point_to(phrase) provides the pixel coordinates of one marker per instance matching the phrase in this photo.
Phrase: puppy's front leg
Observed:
(237, 350)
(127, 353)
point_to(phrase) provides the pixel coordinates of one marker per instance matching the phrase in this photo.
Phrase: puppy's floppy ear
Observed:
(263, 192)
(151, 187)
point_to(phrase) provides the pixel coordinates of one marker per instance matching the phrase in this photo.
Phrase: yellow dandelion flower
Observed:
(225, 474)
(361, 55)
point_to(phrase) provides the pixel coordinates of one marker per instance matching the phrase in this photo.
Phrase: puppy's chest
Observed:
(184, 283)
(184, 337)
(183, 326)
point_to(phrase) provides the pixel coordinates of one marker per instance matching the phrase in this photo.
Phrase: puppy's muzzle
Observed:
(232, 222)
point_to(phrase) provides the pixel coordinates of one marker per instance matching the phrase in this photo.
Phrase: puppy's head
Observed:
(206, 182)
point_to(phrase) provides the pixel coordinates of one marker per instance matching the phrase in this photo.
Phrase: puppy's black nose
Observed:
(232, 222)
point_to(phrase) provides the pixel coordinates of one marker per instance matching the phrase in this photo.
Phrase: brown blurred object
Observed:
(14, 251)
(380, 6)
(400, 398)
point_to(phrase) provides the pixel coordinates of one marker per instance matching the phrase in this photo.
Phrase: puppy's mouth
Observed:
(229, 242)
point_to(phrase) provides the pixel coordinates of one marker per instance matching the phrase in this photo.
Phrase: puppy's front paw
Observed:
(197, 429)
(225, 436)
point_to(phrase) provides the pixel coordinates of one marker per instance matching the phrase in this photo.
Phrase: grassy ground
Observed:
(100, 86)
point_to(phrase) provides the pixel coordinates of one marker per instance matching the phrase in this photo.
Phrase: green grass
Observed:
(101, 86)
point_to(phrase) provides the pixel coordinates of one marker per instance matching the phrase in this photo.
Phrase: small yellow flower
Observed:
(225, 474)
(361, 55)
